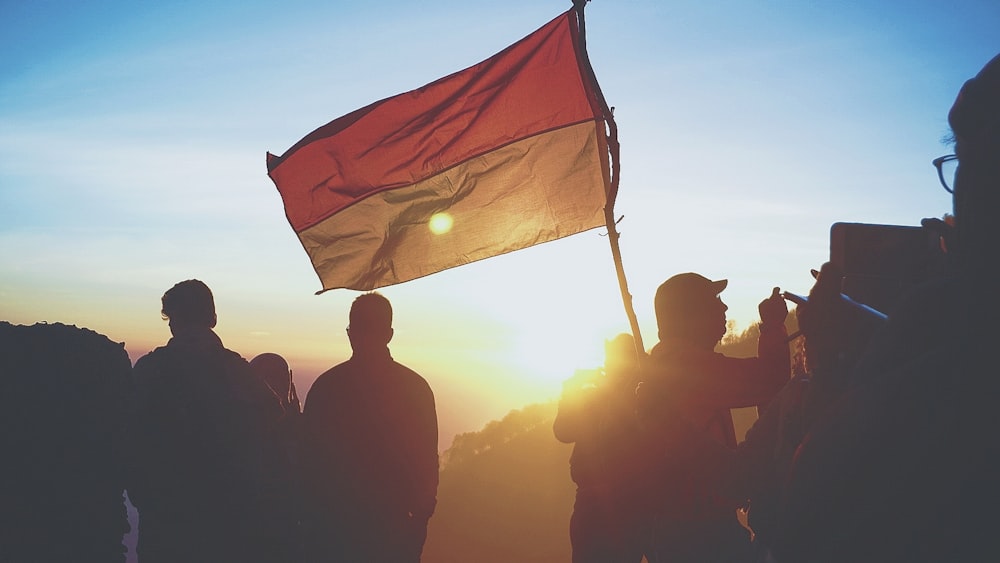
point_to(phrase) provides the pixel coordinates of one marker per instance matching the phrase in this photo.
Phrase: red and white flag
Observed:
(503, 155)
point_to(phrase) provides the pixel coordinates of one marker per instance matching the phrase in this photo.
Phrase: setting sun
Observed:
(441, 223)
(552, 358)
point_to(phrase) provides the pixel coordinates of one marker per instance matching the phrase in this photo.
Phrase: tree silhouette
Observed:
(505, 494)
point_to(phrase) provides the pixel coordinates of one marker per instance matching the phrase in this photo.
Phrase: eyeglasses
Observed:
(946, 166)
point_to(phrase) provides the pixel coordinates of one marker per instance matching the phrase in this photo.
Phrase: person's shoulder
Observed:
(328, 389)
(233, 355)
(234, 360)
(238, 366)
(407, 372)
(404, 377)
(332, 377)
(151, 360)
(339, 371)
(403, 368)
(213, 359)
(676, 353)
(152, 372)
(235, 367)
(154, 354)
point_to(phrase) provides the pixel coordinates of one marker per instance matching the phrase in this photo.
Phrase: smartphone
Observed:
(881, 262)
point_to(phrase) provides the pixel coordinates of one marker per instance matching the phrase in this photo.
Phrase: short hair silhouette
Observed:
(371, 310)
(189, 302)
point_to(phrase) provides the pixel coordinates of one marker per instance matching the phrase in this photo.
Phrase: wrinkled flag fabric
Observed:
(503, 155)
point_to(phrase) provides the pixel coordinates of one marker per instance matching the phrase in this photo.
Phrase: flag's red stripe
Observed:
(540, 189)
(532, 86)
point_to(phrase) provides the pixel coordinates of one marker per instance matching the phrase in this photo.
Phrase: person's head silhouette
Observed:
(688, 307)
(370, 326)
(620, 353)
(975, 123)
(274, 370)
(189, 305)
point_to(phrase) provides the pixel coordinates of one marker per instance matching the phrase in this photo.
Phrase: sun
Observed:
(440, 223)
(550, 357)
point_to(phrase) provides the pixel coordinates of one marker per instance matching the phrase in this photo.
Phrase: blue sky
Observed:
(133, 135)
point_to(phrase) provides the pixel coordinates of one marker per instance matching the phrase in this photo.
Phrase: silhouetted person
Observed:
(282, 530)
(198, 437)
(274, 370)
(62, 421)
(685, 399)
(597, 413)
(906, 468)
(370, 452)
(834, 339)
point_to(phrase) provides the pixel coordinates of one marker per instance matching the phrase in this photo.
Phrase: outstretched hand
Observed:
(773, 310)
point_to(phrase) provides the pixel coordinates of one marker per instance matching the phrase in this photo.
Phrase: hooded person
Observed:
(282, 535)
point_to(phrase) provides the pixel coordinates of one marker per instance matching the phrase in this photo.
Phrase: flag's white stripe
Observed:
(540, 189)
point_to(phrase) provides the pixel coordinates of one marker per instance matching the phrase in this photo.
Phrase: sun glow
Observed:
(440, 223)
(548, 360)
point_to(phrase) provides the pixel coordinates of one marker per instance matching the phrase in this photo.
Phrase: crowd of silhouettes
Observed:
(214, 452)
(881, 447)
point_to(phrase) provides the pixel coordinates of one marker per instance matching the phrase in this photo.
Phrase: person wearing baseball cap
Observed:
(685, 399)
(687, 307)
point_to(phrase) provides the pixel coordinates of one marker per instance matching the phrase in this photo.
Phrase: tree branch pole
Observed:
(612, 195)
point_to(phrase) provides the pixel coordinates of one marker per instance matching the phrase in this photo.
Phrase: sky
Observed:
(132, 156)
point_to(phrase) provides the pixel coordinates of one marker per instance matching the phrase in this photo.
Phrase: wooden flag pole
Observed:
(609, 208)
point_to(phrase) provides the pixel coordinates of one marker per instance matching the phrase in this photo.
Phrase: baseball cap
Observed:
(680, 290)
